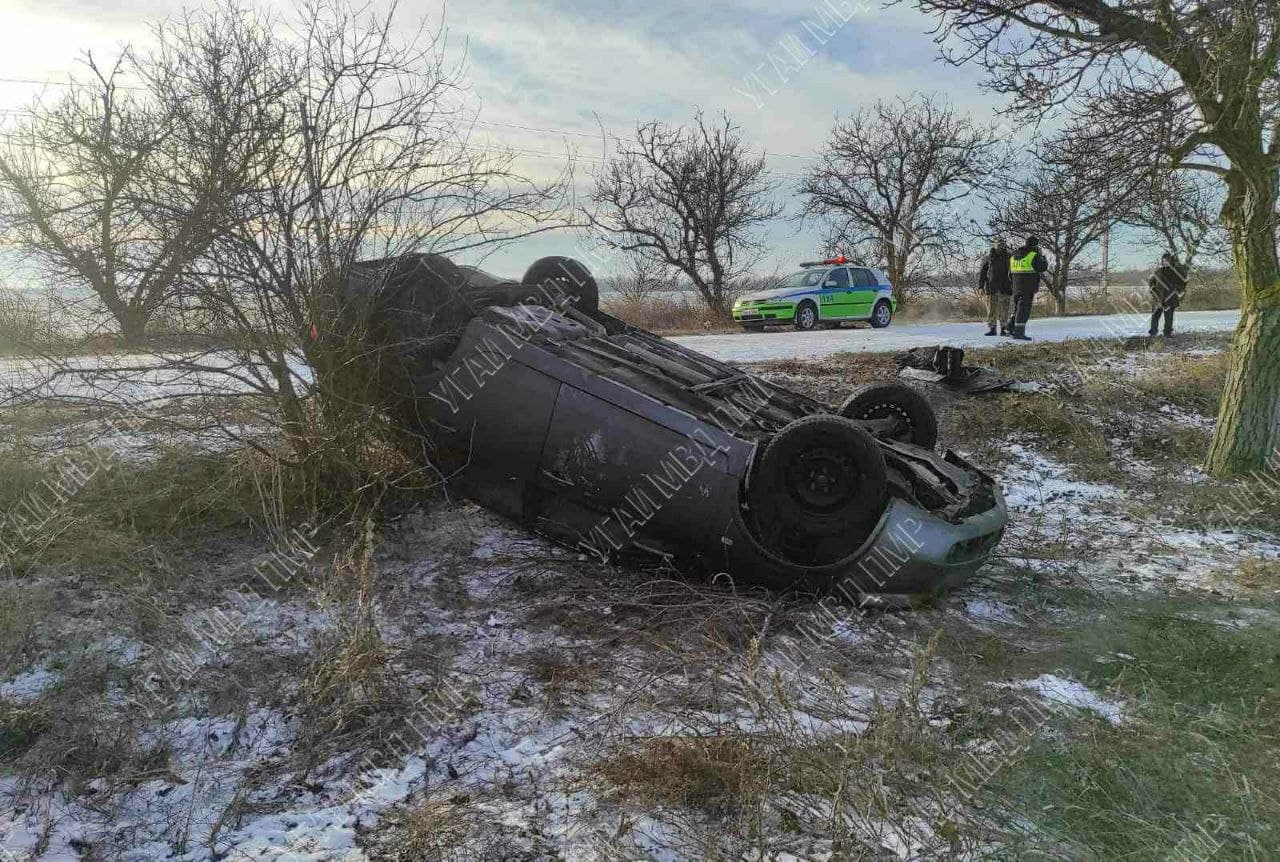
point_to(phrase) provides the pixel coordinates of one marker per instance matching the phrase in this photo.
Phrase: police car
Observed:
(823, 293)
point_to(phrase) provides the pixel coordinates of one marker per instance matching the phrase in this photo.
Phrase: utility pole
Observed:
(1106, 256)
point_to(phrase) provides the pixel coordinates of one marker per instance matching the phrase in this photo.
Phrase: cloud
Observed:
(577, 65)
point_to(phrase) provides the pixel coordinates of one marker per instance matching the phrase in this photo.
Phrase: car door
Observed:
(863, 293)
(835, 295)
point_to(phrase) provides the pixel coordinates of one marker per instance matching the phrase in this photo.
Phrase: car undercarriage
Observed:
(619, 442)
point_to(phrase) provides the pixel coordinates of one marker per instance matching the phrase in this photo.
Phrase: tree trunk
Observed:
(1248, 430)
(898, 278)
(1058, 290)
(133, 326)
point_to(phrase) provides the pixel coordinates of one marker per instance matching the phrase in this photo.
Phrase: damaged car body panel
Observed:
(616, 441)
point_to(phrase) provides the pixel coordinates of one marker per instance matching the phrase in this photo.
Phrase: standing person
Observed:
(1026, 266)
(1168, 283)
(994, 279)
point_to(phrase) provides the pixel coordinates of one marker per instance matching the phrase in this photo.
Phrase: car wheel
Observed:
(806, 316)
(882, 314)
(569, 275)
(917, 422)
(820, 476)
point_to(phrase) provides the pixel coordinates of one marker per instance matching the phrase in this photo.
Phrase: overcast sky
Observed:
(570, 66)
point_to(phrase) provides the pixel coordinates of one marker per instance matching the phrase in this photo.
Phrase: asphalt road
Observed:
(786, 344)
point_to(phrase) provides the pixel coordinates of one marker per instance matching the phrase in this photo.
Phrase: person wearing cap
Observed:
(994, 280)
(1167, 284)
(1027, 267)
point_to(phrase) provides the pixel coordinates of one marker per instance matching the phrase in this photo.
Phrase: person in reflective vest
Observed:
(1167, 284)
(1026, 267)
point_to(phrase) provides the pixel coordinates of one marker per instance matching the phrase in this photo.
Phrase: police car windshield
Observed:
(803, 278)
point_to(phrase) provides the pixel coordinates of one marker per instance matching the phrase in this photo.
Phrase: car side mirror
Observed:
(830, 282)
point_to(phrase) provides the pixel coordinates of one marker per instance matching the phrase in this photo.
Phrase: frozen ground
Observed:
(525, 668)
(765, 346)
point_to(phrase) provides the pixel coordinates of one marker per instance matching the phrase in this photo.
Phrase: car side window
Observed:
(864, 278)
(839, 275)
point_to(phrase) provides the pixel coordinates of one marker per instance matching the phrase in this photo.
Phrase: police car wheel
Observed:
(806, 316)
(882, 314)
(820, 476)
(917, 423)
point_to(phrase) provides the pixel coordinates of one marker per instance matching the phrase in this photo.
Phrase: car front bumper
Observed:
(910, 554)
(772, 313)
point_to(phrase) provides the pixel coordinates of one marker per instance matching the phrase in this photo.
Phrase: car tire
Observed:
(819, 477)
(885, 400)
(806, 316)
(882, 314)
(569, 275)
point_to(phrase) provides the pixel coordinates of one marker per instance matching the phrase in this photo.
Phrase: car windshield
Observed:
(803, 278)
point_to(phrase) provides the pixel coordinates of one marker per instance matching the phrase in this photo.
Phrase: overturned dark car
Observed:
(603, 436)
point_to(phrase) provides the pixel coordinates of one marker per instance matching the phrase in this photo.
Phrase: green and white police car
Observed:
(823, 293)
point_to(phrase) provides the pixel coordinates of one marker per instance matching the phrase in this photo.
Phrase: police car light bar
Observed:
(835, 261)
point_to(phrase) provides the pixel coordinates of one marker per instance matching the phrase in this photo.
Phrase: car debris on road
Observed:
(945, 365)
(617, 442)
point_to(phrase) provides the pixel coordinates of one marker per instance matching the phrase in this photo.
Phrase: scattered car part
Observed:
(945, 365)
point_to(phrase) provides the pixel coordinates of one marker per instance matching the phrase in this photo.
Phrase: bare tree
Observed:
(1076, 192)
(1181, 209)
(346, 143)
(689, 197)
(888, 177)
(77, 179)
(1193, 85)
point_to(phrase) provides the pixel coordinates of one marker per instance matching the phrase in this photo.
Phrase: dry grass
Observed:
(1192, 383)
(24, 614)
(864, 790)
(77, 732)
(430, 831)
(351, 690)
(670, 316)
(715, 774)
(1261, 575)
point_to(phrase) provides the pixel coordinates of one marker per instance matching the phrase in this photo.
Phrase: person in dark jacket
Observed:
(1168, 283)
(994, 280)
(1027, 267)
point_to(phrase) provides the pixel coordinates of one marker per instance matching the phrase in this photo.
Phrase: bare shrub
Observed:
(26, 322)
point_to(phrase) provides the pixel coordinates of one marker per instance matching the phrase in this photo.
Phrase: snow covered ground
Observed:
(765, 346)
(552, 665)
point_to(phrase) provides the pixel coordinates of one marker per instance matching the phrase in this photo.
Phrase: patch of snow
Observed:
(1034, 480)
(28, 685)
(1087, 531)
(990, 611)
(1068, 692)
